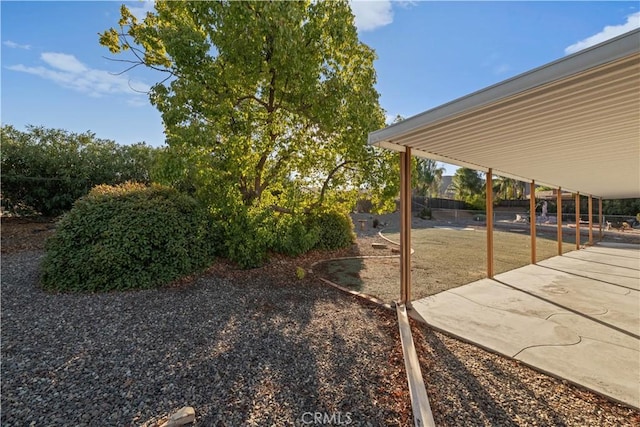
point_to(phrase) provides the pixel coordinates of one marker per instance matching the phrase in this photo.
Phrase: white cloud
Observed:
(406, 3)
(68, 72)
(63, 62)
(608, 32)
(370, 15)
(14, 45)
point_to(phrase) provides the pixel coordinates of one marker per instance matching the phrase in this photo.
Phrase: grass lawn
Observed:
(444, 258)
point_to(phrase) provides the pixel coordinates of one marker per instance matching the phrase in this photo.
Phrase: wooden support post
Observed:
(532, 220)
(403, 232)
(577, 221)
(489, 191)
(600, 216)
(590, 220)
(405, 226)
(559, 219)
(407, 219)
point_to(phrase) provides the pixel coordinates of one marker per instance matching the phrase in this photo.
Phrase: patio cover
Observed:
(573, 123)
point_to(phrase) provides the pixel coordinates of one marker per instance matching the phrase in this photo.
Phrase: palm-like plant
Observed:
(508, 188)
(467, 184)
(427, 177)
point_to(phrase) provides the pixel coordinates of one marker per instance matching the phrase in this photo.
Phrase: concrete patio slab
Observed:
(597, 264)
(576, 317)
(587, 328)
(592, 362)
(492, 328)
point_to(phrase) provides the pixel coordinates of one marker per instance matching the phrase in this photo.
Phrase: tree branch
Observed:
(250, 97)
(325, 185)
(281, 210)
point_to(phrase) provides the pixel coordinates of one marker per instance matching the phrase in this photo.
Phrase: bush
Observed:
(294, 235)
(335, 230)
(48, 169)
(128, 237)
(251, 233)
(254, 232)
(425, 213)
(248, 237)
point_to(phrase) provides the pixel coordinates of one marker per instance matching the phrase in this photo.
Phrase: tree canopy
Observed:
(265, 103)
(46, 170)
(467, 183)
(427, 177)
(508, 188)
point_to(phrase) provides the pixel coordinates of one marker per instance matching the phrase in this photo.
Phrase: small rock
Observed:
(395, 250)
(184, 416)
(379, 246)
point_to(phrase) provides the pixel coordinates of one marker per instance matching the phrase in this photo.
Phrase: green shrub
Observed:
(251, 233)
(294, 235)
(425, 213)
(335, 230)
(248, 236)
(128, 237)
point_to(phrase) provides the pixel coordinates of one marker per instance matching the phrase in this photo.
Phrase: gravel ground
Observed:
(468, 386)
(250, 352)
(252, 348)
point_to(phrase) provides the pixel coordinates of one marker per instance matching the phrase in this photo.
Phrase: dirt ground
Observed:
(24, 234)
(447, 254)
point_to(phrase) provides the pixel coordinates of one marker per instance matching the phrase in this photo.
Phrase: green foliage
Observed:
(335, 230)
(295, 235)
(621, 207)
(262, 96)
(508, 188)
(48, 169)
(477, 202)
(469, 186)
(425, 213)
(255, 232)
(467, 183)
(266, 113)
(247, 237)
(128, 237)
(427, 176)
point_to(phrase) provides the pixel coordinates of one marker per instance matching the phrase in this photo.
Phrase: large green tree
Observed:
(265, 103)
(467, 184)
(508, 188)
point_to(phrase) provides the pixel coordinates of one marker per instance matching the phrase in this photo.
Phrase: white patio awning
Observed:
(573, 123)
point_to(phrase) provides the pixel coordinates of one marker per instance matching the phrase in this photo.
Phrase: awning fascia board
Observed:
(496, 172)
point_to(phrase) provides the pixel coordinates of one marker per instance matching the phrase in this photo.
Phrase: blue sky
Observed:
(54, 73)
